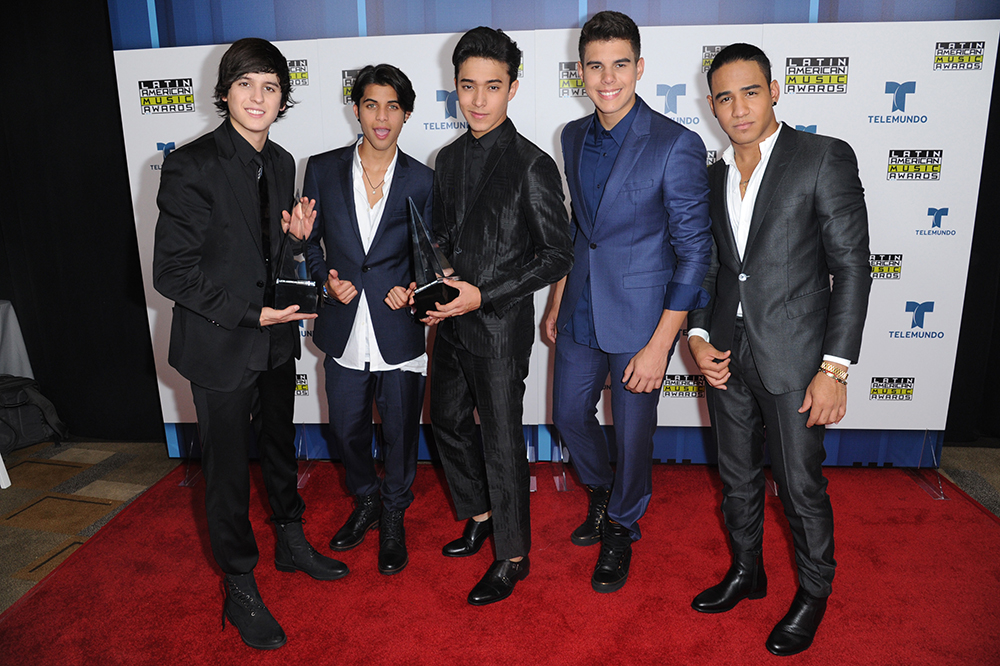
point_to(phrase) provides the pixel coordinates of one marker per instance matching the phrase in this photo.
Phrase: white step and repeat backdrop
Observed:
(911, 98)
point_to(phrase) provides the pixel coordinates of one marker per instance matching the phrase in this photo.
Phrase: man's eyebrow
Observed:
(752, 86)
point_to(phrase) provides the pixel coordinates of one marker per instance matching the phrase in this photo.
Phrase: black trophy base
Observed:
(303, 293)
(435, 292)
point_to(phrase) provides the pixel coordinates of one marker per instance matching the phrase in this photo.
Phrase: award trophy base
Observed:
(425, 297)
(303, 293)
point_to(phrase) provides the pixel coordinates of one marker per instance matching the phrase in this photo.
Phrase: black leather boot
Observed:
(472, 539)
(795, 632)
(249, 615)
(367, 511)
(744, 580)
(392, 557)
(589, 533)
(611, 571)
(293, 553)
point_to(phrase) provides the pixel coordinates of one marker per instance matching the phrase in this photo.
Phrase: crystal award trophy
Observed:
(429, 268)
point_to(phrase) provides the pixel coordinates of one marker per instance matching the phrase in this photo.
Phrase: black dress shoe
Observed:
(744, 580)
(795, 632)
(499, 581)
(611, 571)
(471, 540)
(293, 553)
(367, 511)
(392, 557)
(249, 615)
(589, 533)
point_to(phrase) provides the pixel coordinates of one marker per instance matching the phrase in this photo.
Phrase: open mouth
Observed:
(381, 133)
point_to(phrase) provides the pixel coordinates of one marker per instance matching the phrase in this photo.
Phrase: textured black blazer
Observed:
(208, 258)
(509, 239)
(388, 263)
(809, 223)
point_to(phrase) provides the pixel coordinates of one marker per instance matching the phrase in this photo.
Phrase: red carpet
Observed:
(918, 582)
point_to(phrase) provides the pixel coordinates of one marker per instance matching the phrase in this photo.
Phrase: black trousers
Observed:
(491, 475)
(739, 416)
(399, 396)
(224, 422)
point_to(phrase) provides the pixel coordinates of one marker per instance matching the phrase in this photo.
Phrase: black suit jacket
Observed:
(809, 223)
(330, 180)
(208, 259)
(509, 239)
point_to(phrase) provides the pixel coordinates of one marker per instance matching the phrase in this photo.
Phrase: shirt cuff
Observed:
(836, 359)
(699, 333)
(684, 297)
(251, 318)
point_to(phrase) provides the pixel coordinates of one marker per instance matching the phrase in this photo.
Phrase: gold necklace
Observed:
(365, 172)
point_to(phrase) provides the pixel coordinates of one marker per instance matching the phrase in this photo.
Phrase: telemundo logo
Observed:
(166, 148)
(811, 129)
(670, 93)
(918, 310)
(899, 91)
(937, 216)
(451, 121)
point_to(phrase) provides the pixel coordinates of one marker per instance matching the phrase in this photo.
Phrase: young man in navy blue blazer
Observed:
(639, 195)
(360, 251)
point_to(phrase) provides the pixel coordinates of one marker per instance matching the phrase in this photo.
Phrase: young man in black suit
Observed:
(374, 348)
(500, 220)
(217, 239)
(788, 212)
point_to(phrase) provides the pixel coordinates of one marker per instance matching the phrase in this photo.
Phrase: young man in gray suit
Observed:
(775, 342)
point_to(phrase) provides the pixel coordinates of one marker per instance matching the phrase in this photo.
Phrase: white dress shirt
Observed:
(362, 346)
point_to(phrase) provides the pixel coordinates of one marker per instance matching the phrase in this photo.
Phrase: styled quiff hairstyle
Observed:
(607, 26)
(384, 75)
(252, 56)
(483, 42)
(740, 53)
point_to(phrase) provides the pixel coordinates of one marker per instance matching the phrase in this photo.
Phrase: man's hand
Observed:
(549, 331)
(468, 299)
(270, 316)
(300, 222)
(644, 373)
(341, 290)
(826, 400)
(705, 355)
(400, 296)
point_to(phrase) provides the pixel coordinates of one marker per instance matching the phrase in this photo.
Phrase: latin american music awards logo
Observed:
(298, 72)
(710, 157)
(899, 91)
(301, 384)
(957, 56)
(670, 95)
(825, 75)
(166, 96)
(570, 83)
(349, 76)
(937, 216)
(891, 388)
(708, 54)
(886, 266)
(914, 164)
(684, 386)
(451, 111)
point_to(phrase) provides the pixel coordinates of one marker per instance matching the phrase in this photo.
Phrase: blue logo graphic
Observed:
(450, 100)
(899, 91)
(670, 93)
(937, 214)
(919, 310)
(806, 128)
(167, 148)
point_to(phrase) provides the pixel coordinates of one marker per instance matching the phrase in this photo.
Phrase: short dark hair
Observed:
(384, 75)
(252, 56)
(740, 53)
(606, 26)
(483, 42)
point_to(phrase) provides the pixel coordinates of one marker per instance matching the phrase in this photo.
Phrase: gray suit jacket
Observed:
(809, 223)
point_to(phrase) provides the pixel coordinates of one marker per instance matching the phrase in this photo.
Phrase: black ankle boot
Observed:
(249, 615)
(744, 580)
(795, 632)
(589, 533)
(613, 563)
(392, 557)
(366, 514)
(293, 553)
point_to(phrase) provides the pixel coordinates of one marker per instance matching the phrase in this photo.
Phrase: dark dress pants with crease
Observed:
(578, 379)
(399, 396)
(491, 475)
(740, 415)
(224, 423)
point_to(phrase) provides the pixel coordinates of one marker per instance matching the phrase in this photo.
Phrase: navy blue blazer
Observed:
(330, 181)
(649, 245)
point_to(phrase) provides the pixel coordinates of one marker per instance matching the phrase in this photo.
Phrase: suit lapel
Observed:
(574, 154)
(628, 155)
(777, 166)
(395, 199)
(503, 141)
(347, 191)
(240, 184)
(720, 205)
(459, 174)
